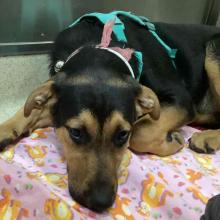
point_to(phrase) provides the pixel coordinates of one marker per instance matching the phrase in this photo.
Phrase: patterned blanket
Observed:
(33, 183)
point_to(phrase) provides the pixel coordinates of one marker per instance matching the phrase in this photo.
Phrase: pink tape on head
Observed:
(106, 39)
(126, 53)
(106, 34)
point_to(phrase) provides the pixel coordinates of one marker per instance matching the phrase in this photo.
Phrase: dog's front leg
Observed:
(35, 114)
(19, 125)
(13, 128)
(159, 136)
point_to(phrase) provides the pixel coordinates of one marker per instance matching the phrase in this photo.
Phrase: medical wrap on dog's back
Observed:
(119, 28)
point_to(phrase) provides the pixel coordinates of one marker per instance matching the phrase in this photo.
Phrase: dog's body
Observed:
(98, 109)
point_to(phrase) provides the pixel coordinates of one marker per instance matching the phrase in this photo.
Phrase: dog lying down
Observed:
(118, 80)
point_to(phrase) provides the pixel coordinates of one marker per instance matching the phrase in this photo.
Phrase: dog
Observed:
(99, 108)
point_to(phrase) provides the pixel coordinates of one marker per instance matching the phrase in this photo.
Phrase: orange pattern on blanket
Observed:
(162, 177)
(121, 209)
(143, 209)
(37, 153)
(206, 163)
(57, 209)
(59, 180)
(197, 194)
(40, 133)
(192, 175)
(11, 209)
(123, 169)
(154, 193)
(167, 160)
(8, 155)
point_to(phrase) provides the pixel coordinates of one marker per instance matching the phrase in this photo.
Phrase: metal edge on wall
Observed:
(25, 48)
(212, 13)
(210, 17)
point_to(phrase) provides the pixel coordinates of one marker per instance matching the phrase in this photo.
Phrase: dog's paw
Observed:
(207, 141)
(175, 137)
(4, 143)
(175, 142)
(7, 137)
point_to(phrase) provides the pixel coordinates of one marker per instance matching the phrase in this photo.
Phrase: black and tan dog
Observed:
(99, 110)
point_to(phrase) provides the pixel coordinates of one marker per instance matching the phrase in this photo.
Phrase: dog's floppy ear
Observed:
(147, 103)
(38, 98)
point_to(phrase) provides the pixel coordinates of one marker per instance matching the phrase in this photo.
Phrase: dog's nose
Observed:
(97, 198)
(101, 198)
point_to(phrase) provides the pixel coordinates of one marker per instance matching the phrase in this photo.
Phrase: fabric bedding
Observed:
(33, 183)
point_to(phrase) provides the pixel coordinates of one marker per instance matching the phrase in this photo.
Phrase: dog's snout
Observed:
(101, 198)
(98, 198)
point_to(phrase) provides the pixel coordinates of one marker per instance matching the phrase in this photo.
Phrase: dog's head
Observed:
(95, 109)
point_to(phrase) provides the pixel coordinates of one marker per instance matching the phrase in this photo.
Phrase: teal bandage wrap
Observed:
(119, 31)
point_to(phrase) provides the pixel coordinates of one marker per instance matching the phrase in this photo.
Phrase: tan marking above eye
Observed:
(85, 80)
(86, 119)
(81, 80)
(114, 121)
(115, 82)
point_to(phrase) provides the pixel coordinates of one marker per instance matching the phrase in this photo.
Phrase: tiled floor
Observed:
(19, 75)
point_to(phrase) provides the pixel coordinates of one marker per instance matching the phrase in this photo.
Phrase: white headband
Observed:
(60, 63)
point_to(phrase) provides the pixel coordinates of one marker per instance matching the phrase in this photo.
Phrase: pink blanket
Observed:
(33, 184)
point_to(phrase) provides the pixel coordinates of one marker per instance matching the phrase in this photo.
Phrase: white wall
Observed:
(19, 75)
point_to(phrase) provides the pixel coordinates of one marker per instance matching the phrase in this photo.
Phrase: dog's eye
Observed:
(121, 137)
(79, 136)
(75, 133)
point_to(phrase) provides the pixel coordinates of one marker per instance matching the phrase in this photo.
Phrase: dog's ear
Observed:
(147, 103)
(38, 98)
